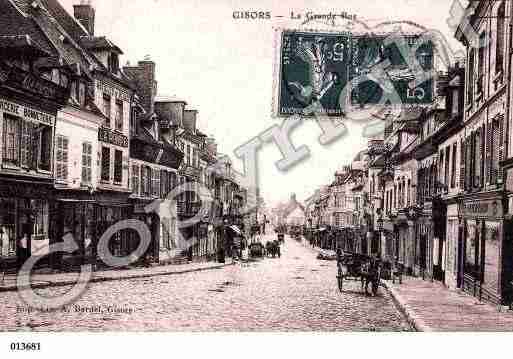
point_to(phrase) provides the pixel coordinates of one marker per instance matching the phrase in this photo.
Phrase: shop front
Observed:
(24, 221)
(484, 250)
(28, 112)
(424, 246)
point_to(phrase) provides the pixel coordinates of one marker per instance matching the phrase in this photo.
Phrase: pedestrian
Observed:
(22, 248)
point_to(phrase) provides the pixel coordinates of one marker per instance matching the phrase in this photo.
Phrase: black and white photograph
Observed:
(305, 168)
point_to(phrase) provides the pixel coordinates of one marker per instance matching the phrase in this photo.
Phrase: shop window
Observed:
(119, 115)
(40, 217)
(107, 109)
(492, 255)
(472, 250)
(8, 227)
(135, 179)
(118, 166)
(87, 163)
(61, 158)
(105, 173)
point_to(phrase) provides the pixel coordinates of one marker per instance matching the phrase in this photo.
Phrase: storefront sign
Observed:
(27, 113)
(109, 136)
(112, 91)
(31, 83)
(483, 209)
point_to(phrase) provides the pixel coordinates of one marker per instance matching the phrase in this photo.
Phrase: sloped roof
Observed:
(15, 22)
(99, 43)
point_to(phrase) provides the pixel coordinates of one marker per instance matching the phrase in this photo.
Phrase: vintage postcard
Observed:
(242, 166)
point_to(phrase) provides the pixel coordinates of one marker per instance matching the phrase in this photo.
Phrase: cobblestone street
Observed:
(297, 292)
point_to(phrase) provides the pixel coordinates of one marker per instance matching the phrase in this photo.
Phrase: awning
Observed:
(236, 230)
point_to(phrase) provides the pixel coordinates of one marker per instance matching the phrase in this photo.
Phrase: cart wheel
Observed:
(340, 280)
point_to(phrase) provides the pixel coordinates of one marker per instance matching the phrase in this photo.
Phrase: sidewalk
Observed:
(63, 279)
(431, 307)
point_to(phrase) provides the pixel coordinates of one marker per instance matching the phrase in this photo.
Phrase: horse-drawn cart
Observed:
(354, 266)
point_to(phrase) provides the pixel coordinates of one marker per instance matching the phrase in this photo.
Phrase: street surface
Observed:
(294, 293)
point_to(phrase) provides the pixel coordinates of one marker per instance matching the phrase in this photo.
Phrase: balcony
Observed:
(189, 171)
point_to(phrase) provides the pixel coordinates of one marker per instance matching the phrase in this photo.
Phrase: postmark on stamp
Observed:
(313, 69)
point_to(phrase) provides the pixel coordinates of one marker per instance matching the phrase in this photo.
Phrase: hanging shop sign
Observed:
(114, 138)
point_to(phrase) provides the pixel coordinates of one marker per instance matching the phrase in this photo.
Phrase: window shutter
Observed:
(462, 164)
(500, 148)
(489, 153)
(482, 158)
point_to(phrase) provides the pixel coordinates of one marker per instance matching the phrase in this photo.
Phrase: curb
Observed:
(417, 323)
(63, 283)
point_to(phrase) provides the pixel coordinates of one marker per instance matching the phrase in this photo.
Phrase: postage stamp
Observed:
(344, 71)
(313, 67)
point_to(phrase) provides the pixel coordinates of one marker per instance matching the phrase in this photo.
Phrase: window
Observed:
(135, 179)
(481, 62)
(145, 180)
(455, 102)
(118, 166)
(447, 164)
(164, 183)
(453, 165)
(499, 49)
(119, 116)
(470, 82)
(61, 159)
(155, 189)
(43, 137)
(188, 154)
(11, 140)
(81, 93)
(105, 174)
(87, 163)
(107, 109)
(113, 62)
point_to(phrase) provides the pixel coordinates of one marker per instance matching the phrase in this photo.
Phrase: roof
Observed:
(99, 43)
(15, 22)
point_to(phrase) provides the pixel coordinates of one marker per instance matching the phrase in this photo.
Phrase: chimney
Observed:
(143, 76)
(84, 13)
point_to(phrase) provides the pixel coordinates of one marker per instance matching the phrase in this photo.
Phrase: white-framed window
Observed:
(87, 163)
(61, 158)
(135, 179)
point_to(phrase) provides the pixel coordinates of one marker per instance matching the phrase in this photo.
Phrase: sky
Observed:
(224, 68)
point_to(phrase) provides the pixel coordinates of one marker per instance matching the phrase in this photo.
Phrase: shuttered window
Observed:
(499, 46)
(61, 158)
(156, 183)
(11, 140)
(87, 163)
(462, 182)
(135, 179)
(118, 166)
(105, 174)
(453, 165)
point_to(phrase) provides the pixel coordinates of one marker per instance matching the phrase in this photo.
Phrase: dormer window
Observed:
(114, 63)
